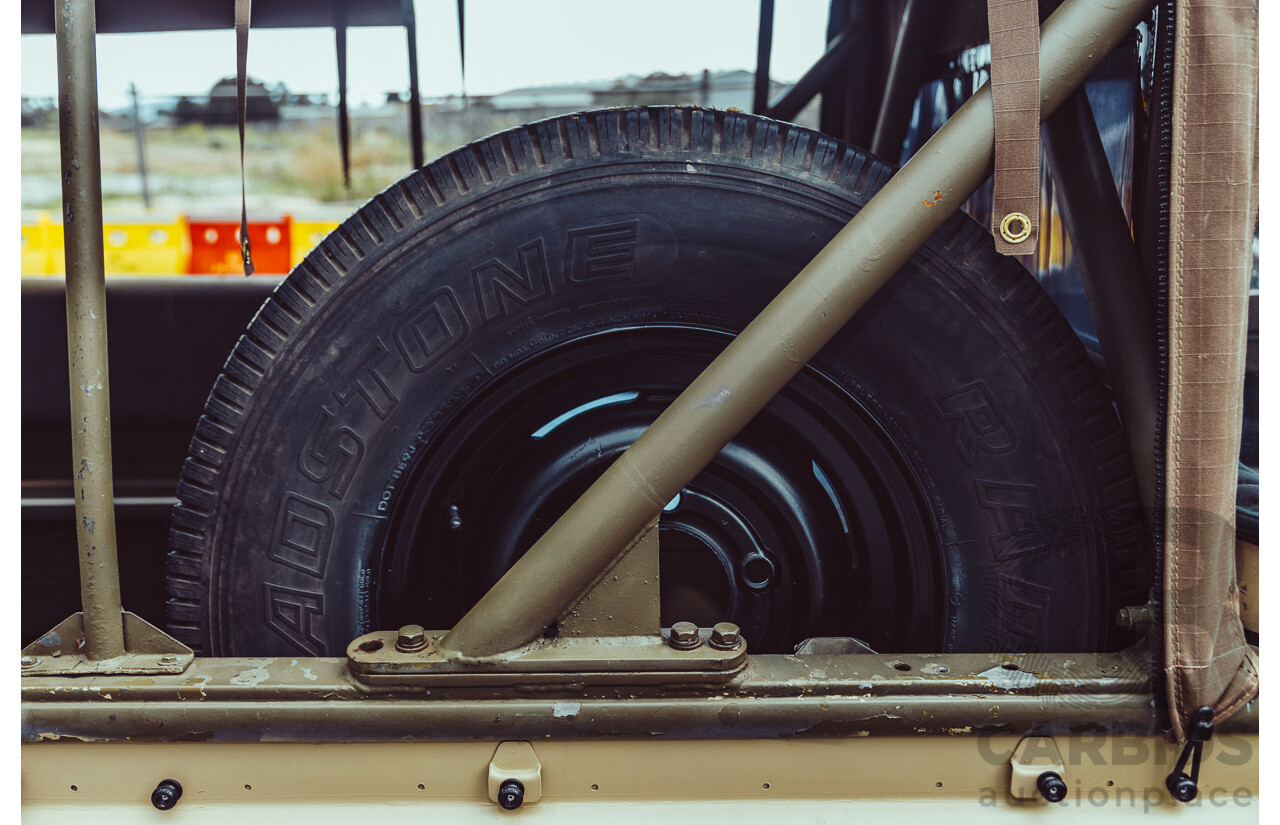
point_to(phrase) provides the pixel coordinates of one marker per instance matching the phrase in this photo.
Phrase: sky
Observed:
(510, 44)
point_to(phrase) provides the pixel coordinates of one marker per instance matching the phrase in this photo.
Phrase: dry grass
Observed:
(196, 169)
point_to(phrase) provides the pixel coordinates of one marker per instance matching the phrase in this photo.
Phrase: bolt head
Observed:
(30, 661)
(685, 636)
(168, 659)
(726, 636)
(412, 638)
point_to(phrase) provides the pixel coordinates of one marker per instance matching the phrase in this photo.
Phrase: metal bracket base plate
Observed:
(60, 652)
(373, 659)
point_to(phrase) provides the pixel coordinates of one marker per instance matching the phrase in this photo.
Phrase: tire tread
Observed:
(518, 155)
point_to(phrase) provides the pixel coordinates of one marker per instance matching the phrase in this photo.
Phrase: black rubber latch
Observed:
(166, 794)
(1182, 786)
(1051, 786)
(511, 794)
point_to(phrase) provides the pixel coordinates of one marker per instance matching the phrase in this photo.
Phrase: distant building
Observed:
(720, 90)
(221, 108)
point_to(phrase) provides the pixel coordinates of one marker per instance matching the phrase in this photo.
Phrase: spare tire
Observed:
(453, 365)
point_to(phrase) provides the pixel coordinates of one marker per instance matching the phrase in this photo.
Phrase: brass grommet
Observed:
(1015, 235)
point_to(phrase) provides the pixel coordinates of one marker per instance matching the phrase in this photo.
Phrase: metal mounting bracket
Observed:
(148, 650)
(613, 635)
(515, 761)
(1033, 759)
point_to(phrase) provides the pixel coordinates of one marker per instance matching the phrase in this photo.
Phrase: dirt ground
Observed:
(196, 169)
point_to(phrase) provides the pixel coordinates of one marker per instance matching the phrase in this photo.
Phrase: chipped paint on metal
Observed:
(566, 710)
(253, 676)
(194, 688)
(1009, 679)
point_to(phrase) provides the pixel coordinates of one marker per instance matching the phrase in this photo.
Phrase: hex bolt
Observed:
(511, 794)
(726, 636)
(1136, 618)
(685, 636)
(168, 659)
(1051, 786)
(412, 638)
(29, 662)
(166, 794)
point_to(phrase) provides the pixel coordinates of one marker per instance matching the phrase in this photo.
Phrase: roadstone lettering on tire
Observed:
(448, 369)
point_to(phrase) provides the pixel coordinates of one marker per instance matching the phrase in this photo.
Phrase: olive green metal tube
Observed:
(75, 27)
(1120, 298)
(581, 547)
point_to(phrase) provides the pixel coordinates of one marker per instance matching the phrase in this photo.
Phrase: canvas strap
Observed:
(1015, 95)
(242, 63)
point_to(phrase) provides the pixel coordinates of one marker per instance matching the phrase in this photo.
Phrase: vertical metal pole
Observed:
(906, 73)
(415, 98)
(764, 50)
(75, 27)
(137, 137)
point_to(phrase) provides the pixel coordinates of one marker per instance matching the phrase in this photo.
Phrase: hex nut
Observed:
(168, 659)
(726, 636)
(685, 636)
(30, 661)
(411, 639)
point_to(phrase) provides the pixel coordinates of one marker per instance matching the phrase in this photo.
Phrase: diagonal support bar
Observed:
(587, 541)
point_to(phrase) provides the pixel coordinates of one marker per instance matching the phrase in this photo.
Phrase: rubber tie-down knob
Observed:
(1051, 786)
(1181, 787)
(166, 794)
(511, 794)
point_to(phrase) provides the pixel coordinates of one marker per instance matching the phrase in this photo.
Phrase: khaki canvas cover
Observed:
(1213, 210)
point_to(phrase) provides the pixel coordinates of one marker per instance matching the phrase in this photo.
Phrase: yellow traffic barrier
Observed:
(146, 248)
(34, 250)
(128, 248)
(305, 235)
(42, 247)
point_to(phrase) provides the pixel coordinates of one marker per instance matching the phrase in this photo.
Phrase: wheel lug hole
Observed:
(758, 571)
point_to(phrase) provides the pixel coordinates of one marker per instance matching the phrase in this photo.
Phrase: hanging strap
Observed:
(242, 64)
(1015, 95)
(462, 44)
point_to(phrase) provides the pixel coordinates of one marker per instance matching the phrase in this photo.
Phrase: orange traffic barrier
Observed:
(197, 247)
(215, 247)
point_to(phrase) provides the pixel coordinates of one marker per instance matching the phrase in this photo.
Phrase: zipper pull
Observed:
(1181, 786)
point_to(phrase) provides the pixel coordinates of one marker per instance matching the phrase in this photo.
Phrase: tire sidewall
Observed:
(947, 359)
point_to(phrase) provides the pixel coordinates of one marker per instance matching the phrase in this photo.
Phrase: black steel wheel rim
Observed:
(809, 523)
